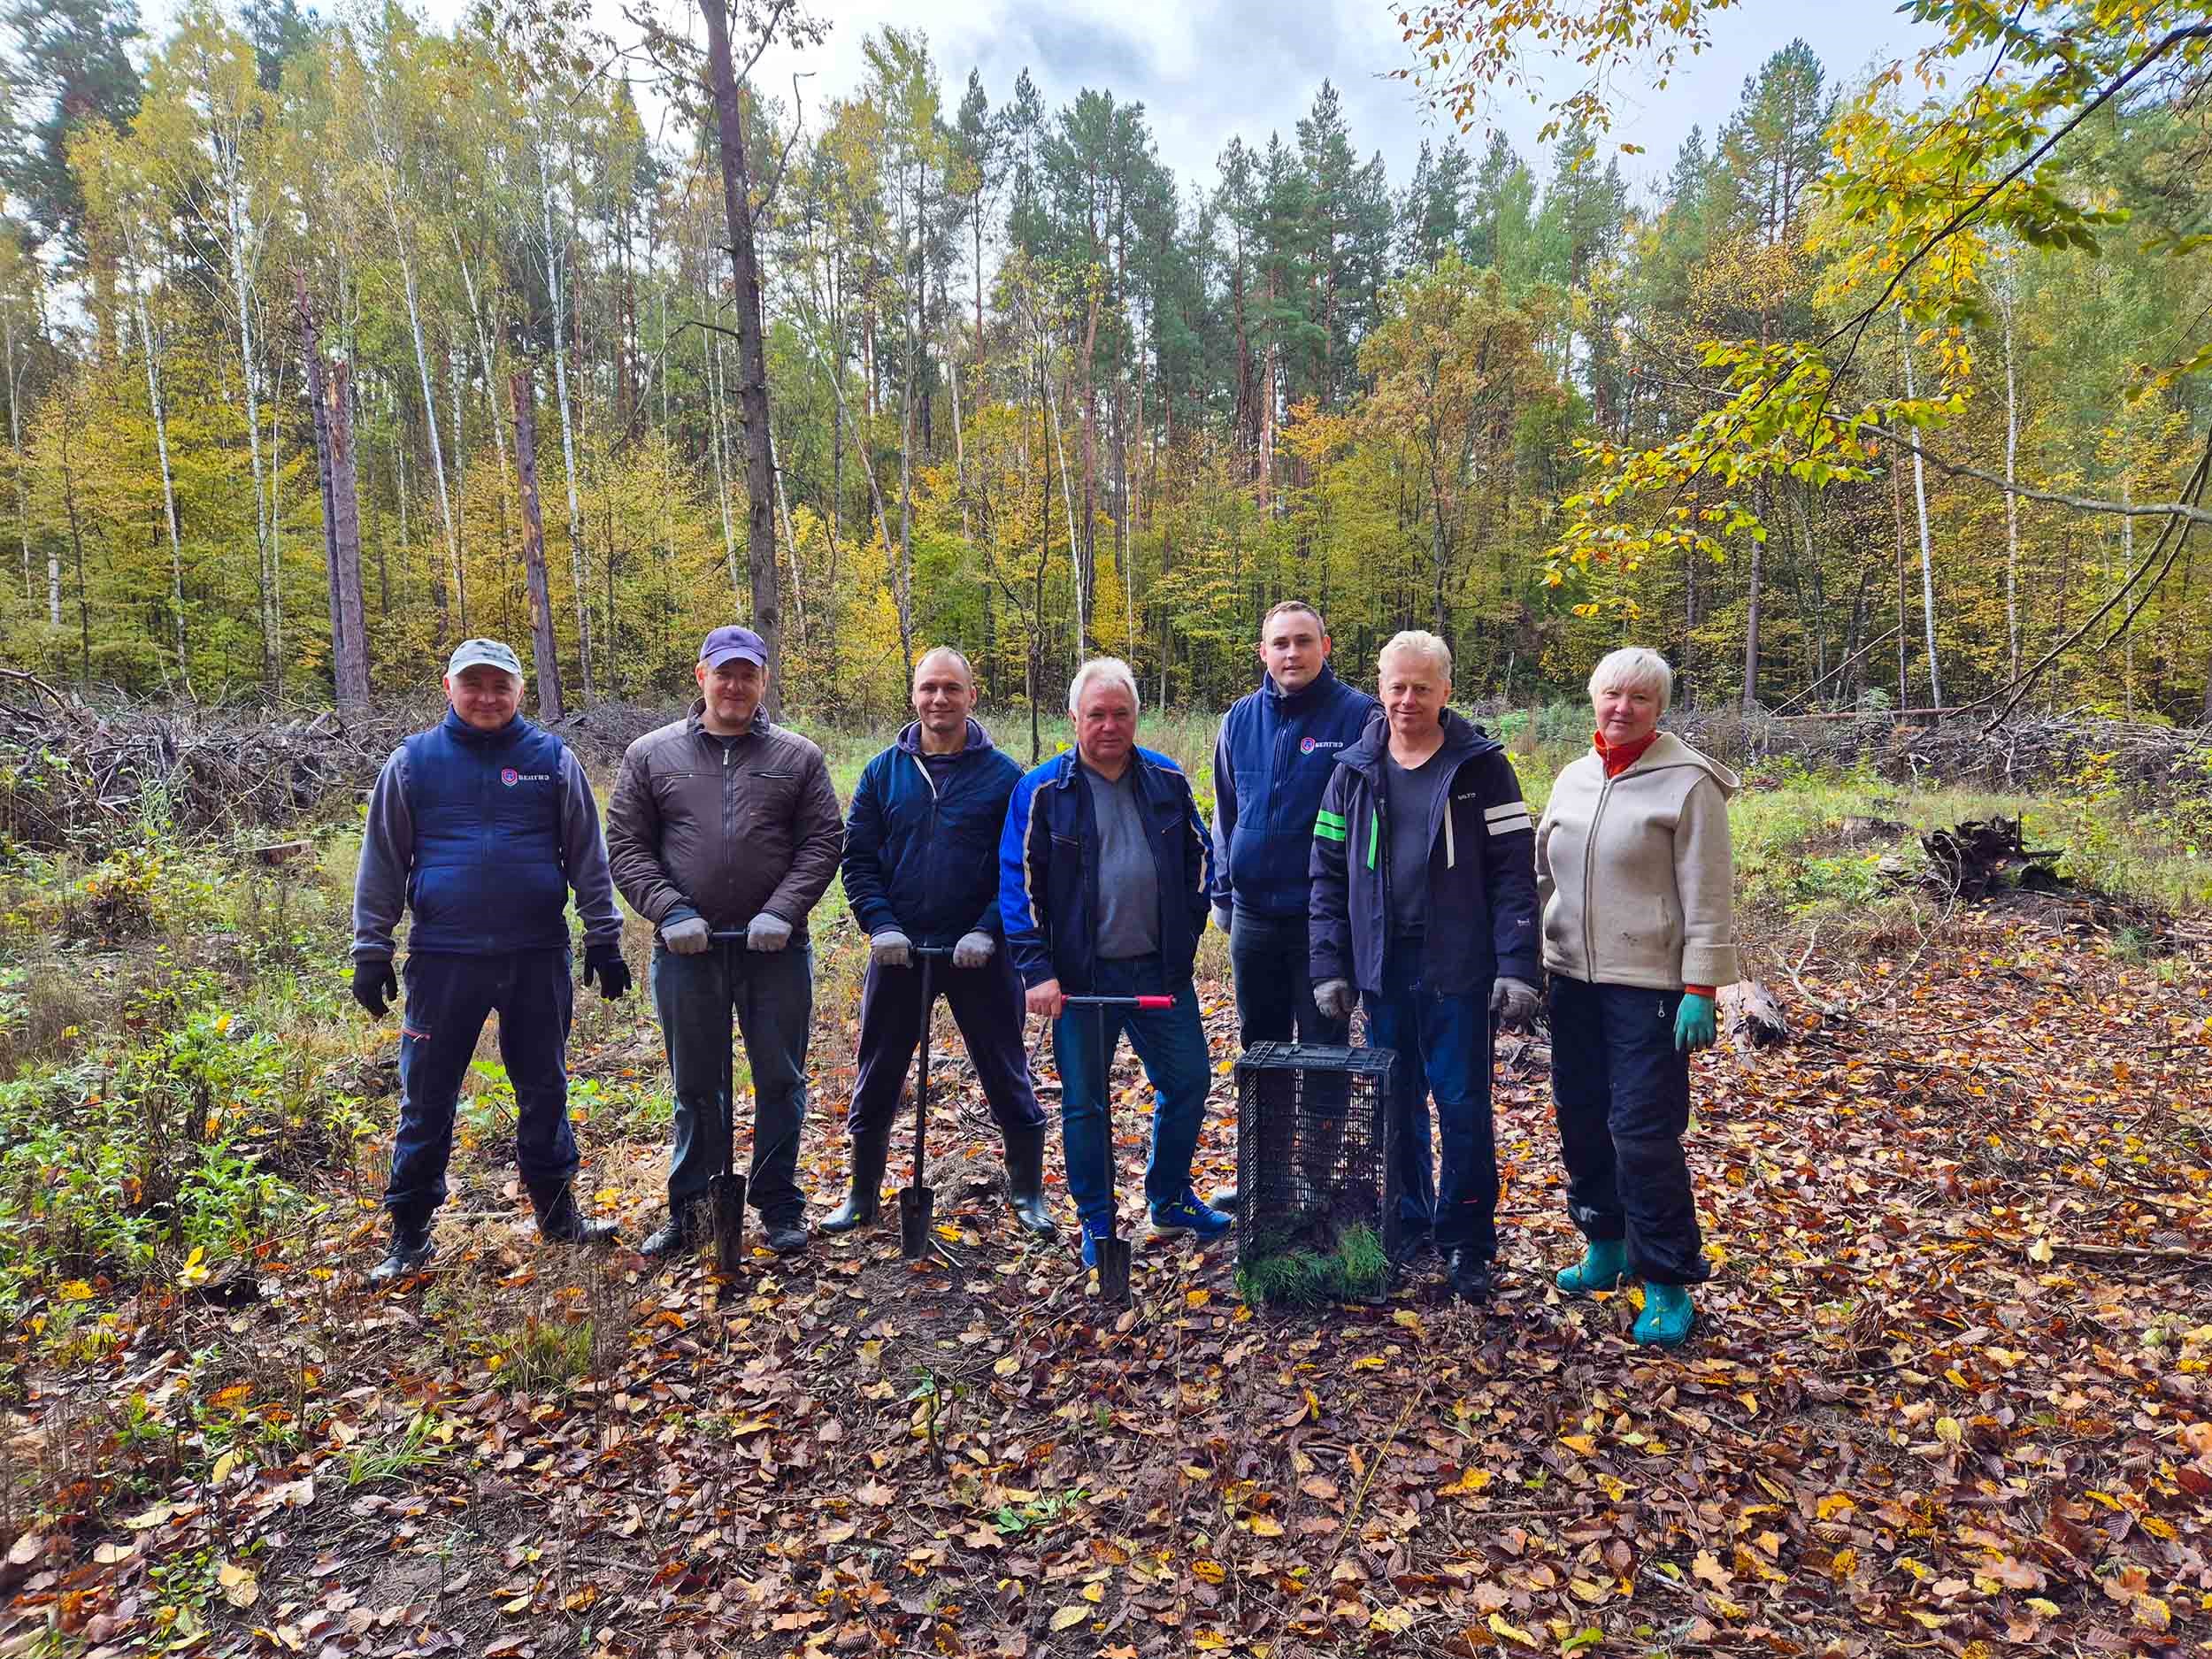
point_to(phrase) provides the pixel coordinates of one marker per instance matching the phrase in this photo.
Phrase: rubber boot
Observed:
(871, 1149)
(1603, 1265)
(411, 1249)
(1667, 1317)
(560, 1222)
(1026, 1181)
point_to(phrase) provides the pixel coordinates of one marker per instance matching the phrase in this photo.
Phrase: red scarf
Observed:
(1618, 759)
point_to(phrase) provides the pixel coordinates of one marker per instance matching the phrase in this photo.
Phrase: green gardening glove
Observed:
(1694, 1026)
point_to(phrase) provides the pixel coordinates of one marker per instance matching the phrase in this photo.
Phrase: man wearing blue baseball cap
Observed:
(724, 824)
(481, 827)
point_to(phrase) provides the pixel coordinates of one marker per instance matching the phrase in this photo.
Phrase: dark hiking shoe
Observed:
(560, 1222)
(410, 1253)
(785, 1238)
(679, 1235)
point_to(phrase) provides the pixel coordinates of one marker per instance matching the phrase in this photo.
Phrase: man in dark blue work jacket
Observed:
(921, 873)
(1277, 747)
(481, 827)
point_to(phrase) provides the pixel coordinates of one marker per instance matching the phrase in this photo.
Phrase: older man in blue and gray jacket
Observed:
(481, 827)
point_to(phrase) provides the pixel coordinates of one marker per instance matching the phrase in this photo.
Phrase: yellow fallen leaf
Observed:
(1071, 1616)
(2039, 1251)
(240, 1587)
(1950, 1430)
(1834, 1504)
(1584, 1444)
(1212, 1571)
(1264, 1527)
(1094, 1594)
(1007, 1366)
(1410, 1320)
(195, 1268)
(1397, 1619)
(224, 1465)
(1511, 1632)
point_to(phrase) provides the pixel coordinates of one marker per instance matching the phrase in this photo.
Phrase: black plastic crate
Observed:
(1313, 1148)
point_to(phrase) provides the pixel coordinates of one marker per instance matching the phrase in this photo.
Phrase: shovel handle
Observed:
(726, 936)
(1120, 1001)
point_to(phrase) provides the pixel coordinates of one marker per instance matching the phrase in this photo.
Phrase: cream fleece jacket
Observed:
(1634, 872)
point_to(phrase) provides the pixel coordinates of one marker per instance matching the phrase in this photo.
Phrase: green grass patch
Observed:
(1356, 1270)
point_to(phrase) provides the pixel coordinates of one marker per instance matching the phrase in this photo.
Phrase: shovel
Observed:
(726, 1191)
(916, 1202)
(1113, 1250)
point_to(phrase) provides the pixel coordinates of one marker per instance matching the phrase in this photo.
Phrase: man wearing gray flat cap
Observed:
(724, 822)
(481, 827)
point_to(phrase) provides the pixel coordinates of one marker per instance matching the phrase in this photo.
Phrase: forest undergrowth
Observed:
(1947, 1393)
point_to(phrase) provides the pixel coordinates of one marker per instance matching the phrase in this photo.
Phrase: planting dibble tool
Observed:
(1113, 1250)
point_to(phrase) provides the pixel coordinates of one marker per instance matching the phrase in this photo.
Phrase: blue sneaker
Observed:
(1187, 1214)
(1094, 1228)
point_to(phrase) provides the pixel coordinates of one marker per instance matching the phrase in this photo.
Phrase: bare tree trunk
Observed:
(345, 500)
(15, 440)
(555, 259)
(1904, 610)
(151, 348)
(76, 542)
(1927, 559)
(752, 355)
(545, 651)
(721, 470)
(2012, 502)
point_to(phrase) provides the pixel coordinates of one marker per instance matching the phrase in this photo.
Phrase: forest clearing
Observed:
(1949, 1390)
(1850, 450)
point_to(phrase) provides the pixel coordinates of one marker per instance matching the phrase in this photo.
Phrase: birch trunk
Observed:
(554, 259)
(2012, 502)
(1927, 558)
(150, 346)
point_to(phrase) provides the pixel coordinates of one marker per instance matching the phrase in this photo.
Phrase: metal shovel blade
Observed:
(917, 1206)
(727, 1195)
(1113, 1270)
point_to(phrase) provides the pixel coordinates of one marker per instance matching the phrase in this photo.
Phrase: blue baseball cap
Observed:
(732, 644)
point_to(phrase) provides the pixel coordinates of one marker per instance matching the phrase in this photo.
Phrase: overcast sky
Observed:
(1209, 70)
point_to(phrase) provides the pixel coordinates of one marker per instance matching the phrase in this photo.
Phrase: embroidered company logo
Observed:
(1311, 744)
(509, 776)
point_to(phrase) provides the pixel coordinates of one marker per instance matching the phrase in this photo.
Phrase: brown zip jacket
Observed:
(724, 832)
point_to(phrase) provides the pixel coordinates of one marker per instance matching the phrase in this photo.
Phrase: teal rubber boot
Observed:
(1602, 1267)
(1667, 1317)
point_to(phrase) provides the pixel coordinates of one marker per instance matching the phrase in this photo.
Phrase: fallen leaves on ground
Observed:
(1947, 1394)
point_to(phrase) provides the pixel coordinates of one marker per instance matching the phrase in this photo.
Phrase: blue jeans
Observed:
(1623, 1091)
(448, 998)
(1171, 1043)
(1442, 1042)
(772, 993)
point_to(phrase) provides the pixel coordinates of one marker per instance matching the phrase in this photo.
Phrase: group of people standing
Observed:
(1367, 852)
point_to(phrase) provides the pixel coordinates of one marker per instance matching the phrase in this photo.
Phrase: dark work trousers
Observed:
(772, 993)
(1274, 986)
(1623, 1098)
(1267, 954)
(987, 1005)
(1442, 1042)
(448, 998)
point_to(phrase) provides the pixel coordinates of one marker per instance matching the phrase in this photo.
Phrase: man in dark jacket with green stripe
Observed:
(921, 871)
(1425, 909)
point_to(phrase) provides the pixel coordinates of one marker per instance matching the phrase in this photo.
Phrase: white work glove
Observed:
(767, 932)
(1335, 998)
(973, 949)
(1513, 1003)
(688, 937)
(890, 949)
(1222, 917)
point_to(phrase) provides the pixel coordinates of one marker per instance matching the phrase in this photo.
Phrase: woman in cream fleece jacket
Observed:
(1633, 873)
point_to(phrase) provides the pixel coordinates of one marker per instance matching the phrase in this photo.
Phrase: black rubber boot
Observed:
(410, 1253)
(871, 1149)
(1026, 1181)
(678, 1235)
(560, 1222)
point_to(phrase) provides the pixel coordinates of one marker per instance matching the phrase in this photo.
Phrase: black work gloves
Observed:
(605, 960)
(374, 985)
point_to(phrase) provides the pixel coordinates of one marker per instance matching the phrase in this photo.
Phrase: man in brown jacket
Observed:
(724, 831)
